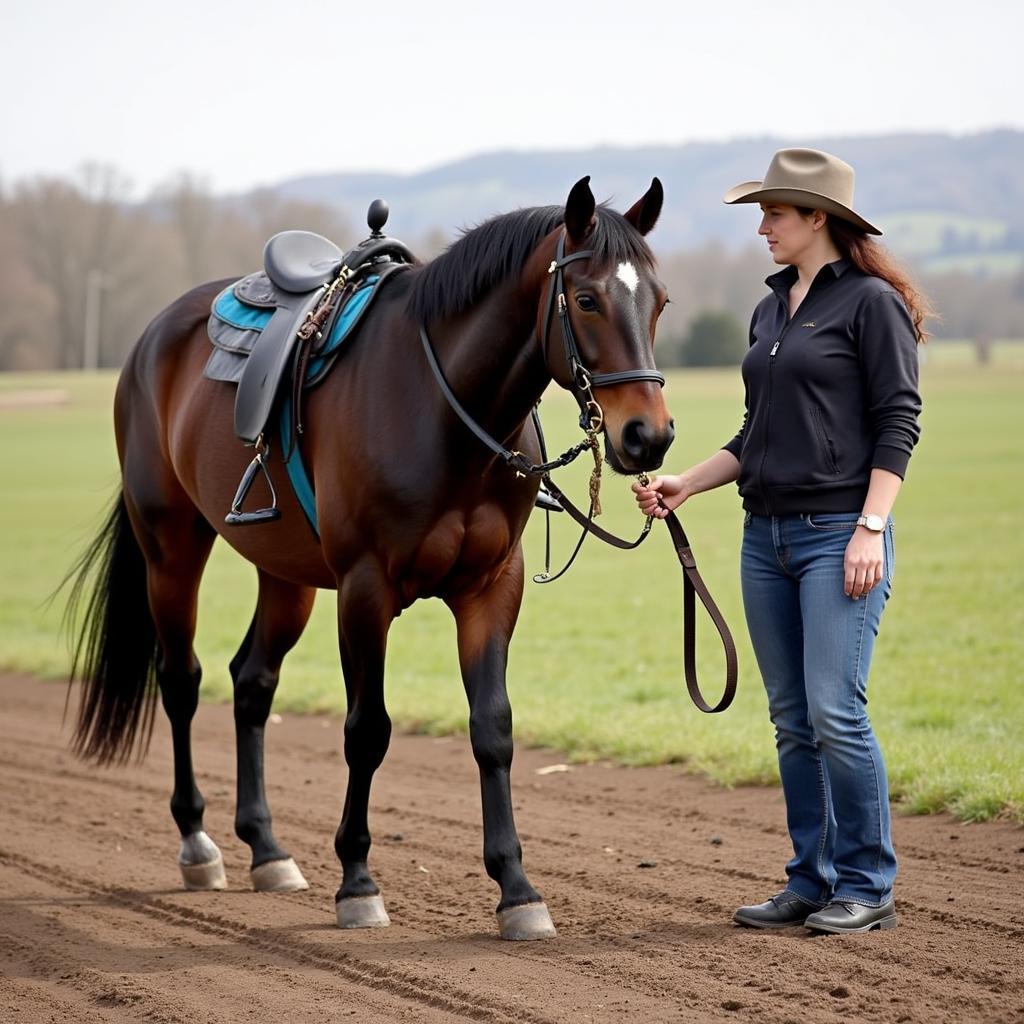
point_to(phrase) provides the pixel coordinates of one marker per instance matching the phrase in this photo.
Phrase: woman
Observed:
(831, 418)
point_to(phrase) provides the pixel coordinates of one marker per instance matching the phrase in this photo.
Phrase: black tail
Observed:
(115, 650)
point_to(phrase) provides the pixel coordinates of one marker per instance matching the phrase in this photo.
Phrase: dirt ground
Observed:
(94, 926)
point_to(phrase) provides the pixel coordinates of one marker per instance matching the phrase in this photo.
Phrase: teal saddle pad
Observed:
(237, 318)
(236, 322)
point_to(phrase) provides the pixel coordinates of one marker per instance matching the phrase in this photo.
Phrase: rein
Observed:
(591, 421)
(693, 586)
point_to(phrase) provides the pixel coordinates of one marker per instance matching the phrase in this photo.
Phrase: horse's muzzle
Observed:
(641, 446)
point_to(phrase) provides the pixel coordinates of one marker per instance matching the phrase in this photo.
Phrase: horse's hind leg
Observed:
(282, 612)
(177, 541)
(365, 613)
(485, 622)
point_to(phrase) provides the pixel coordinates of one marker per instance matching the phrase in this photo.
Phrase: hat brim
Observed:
(752, 192)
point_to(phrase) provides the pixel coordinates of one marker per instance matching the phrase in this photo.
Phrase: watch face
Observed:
(876, 523)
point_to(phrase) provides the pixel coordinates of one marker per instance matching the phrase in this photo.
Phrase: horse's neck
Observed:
(493, 359)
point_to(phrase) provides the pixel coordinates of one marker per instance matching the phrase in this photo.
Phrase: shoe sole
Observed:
(882, 924)
(765, 925)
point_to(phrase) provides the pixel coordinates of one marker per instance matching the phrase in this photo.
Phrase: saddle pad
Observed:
(236, 322)
(238, 317)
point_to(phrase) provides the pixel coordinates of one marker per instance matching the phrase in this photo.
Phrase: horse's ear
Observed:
(579, 210)
(643, 214)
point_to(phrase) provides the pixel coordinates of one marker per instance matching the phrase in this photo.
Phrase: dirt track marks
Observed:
(94, 928)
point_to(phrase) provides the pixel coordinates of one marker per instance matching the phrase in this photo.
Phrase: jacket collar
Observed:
(781, 282)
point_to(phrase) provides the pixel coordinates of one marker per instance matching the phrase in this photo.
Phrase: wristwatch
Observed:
(876, 524)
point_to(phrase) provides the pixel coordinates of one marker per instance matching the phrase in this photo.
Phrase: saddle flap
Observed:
(299, 261)
(265, 367)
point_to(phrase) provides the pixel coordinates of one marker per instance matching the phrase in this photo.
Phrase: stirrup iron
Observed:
(236, 517)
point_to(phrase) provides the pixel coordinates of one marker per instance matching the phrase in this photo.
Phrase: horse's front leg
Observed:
(485, 621)
(366, 609)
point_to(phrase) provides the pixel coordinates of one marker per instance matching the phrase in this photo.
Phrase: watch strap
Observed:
(869, 523)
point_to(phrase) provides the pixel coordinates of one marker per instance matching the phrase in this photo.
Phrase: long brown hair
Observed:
(867, 255)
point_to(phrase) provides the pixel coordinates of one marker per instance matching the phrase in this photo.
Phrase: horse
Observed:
(410, 505)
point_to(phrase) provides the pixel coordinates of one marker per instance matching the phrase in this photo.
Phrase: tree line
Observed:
(83, 269)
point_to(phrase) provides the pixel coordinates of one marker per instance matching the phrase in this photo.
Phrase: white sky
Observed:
(155, 89)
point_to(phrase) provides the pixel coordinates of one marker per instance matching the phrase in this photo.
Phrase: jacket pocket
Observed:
(825, 442)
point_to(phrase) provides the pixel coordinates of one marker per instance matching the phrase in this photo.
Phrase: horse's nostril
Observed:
(636, 438)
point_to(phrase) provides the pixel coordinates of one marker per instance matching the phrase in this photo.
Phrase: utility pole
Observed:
(95, 282)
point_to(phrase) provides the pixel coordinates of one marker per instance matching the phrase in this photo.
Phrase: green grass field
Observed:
(595, 667)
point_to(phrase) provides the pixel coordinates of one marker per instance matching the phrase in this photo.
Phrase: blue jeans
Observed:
(813, 646)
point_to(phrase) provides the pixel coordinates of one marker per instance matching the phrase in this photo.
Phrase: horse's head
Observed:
(597, 324)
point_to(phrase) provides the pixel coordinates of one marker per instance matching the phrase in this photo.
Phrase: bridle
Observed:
(583, 381)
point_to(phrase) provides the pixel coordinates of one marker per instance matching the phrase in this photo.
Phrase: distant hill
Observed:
(946, 201)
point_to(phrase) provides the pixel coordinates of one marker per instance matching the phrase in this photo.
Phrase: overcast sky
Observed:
(244, 93)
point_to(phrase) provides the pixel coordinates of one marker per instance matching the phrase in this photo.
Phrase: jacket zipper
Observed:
(767, 422)
(768, 405)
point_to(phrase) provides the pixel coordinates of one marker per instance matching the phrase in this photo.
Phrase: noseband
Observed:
(582, 379)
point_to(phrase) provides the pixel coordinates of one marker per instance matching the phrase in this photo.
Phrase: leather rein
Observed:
(592, 421)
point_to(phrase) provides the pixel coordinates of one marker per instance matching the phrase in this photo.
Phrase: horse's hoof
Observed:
(526, 922)
(362, 912)
(202, 867)
(278, 876)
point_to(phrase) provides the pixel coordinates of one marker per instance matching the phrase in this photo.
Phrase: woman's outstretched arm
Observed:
(665, 493)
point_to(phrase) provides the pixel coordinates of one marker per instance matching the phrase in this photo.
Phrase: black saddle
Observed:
(300, 261)
(307, 282)
(304, 267)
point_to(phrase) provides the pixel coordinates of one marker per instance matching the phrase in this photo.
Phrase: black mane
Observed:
(490, 253)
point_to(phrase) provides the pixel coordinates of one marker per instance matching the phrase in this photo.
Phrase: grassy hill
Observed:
(948, 198)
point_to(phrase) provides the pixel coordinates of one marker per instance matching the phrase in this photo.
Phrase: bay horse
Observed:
(410, 505)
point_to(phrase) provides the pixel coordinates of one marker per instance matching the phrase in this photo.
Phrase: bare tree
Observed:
(196, 216)
(27, 307)
(69, 229)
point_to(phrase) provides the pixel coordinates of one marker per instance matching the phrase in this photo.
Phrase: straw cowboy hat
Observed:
(805, 177)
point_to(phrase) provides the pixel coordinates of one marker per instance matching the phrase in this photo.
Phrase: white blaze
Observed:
(628, 276)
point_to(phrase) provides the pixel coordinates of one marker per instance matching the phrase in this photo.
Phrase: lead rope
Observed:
(596, 423)
(595, 473)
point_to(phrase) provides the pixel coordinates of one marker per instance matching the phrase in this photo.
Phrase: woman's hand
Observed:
(864, 563)
(661, 495)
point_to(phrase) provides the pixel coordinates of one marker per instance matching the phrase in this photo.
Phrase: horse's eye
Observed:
(586, 303)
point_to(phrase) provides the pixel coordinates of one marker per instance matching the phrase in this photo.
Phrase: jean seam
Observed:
(890, 555)
(818, 903)
(823, 838)
(780, 547)
(867, 748)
